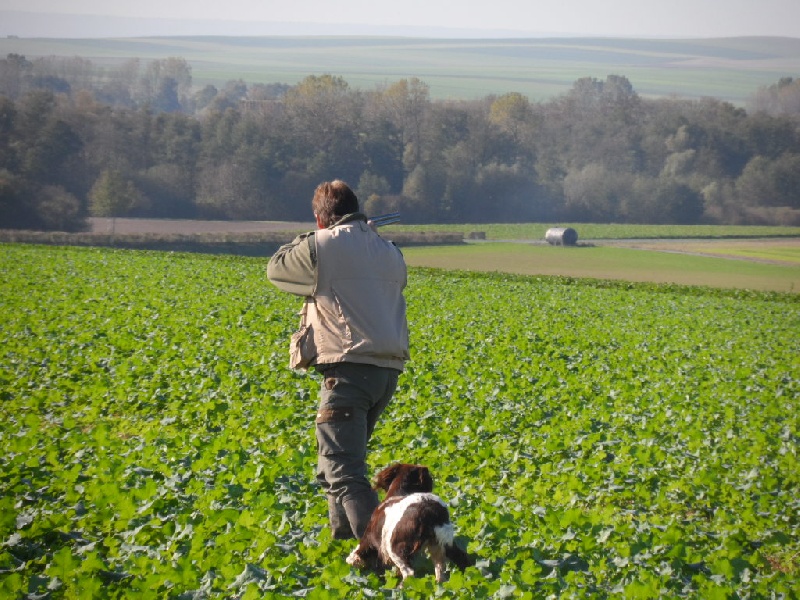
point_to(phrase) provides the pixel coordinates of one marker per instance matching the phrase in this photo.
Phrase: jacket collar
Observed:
(356, 216)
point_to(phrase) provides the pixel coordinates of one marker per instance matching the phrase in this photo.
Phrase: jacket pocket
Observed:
(302, 348)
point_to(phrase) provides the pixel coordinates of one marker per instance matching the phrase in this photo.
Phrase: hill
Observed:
(730, 69)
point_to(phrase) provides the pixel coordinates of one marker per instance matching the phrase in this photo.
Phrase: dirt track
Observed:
(167, 226)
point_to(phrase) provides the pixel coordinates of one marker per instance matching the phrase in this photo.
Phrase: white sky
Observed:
(627, 18)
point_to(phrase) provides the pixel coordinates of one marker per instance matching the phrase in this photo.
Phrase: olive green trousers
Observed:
(352, 398)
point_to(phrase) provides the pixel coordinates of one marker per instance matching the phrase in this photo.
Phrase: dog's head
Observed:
(402, 479)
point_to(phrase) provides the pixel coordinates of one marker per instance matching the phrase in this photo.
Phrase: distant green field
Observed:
(604, 262)
(730, 69)
(696, 255)
(601, 231)
(755, 252)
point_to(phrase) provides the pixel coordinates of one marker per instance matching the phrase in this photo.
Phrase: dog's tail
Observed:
(458, 557)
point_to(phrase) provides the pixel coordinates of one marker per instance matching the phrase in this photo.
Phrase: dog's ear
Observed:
(423, 479)
(384, 479)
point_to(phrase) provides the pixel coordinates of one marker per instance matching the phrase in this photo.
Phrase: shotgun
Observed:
(387, 219)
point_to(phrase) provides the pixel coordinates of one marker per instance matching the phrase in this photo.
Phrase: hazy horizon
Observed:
(61, 25)
(415, 18)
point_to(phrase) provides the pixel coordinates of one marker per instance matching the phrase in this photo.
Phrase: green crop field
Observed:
(593, 439)
(762, 267)
(730, 69)
(606, 231)
(742, 257)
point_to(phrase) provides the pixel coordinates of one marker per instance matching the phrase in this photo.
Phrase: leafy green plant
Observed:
(594, 439)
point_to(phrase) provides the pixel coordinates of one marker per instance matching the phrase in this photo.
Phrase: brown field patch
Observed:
(186, 226)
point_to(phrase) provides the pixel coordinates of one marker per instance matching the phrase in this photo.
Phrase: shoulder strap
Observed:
(312, 248)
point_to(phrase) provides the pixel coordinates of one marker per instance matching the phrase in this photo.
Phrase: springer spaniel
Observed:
(410, 519)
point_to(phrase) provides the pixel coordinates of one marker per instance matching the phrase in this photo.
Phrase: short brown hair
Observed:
(333, 200)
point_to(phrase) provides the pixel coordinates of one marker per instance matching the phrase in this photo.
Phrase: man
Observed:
(352, 281)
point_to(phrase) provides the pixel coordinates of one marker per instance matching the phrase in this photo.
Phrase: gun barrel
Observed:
(386, 219)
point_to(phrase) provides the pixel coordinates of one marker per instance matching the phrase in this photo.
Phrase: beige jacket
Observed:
(353, 281)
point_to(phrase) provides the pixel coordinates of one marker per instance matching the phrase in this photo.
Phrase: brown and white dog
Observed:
(410, 519)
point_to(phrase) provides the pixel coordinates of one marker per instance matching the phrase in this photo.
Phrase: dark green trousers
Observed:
(352, 398)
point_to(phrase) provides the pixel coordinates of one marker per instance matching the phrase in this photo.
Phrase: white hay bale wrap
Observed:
(561, 236)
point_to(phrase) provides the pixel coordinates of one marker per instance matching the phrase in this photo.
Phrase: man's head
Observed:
(333, 200)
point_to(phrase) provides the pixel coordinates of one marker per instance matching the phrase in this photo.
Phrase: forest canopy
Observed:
(139, 140)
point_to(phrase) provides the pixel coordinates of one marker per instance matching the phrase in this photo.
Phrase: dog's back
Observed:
(409, 520)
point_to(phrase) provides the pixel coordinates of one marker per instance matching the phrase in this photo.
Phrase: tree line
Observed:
(139, 140)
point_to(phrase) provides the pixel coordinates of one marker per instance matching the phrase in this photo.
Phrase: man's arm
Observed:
(293, 268)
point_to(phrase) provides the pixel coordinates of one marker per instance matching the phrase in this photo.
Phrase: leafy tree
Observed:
(62, 74)
(267, 91)
(370, 185)
(715, 128)
(676, 202)
(771, 183)
(203, 97)
(662, 201)
(781, 98)
(51, 151)
(721, 203)
(40, 146)
(15, 74)
(175, 139)
(594, 193)
(165, 97)
(424, 189)
(325, 117)
(505, 193)
(222, 133)
(511, 112)
(170, 190)
(229, 97)
(321, 104)
(239, 188)
(59, 210)
(16, 209)
(121, 85)
(601, 118)
(113, 195)
(9, 150)
(407, 103)
(770, 136)
(380, 142)
(166, 84)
